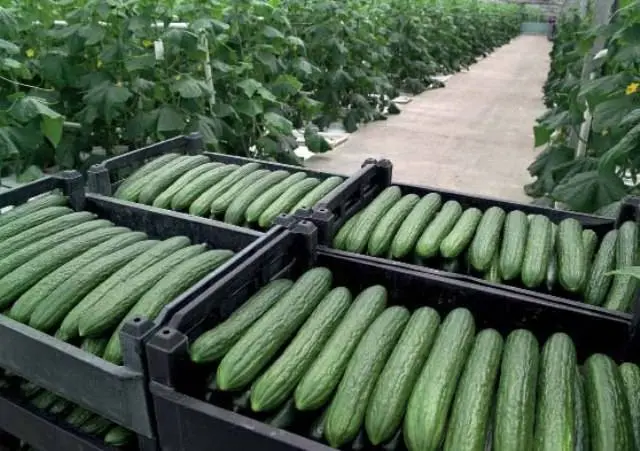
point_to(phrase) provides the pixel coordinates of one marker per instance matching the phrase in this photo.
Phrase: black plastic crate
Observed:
(337, 208)
(119, 393)
(187, 422)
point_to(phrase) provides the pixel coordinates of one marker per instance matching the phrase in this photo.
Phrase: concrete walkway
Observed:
(475, 135)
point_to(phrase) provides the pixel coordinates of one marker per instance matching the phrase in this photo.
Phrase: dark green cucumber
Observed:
(572, 263)
(317, 194)
(486, 241)
(430, 402)
(214, 344)
(31, 220)
(348, 407)
(78, 416)
(124, 190)
(95, 346)
(599, 281)
(630, 374)
(96, 425)
(385, 230)
(60, 407)
(472, 405)
(118, 436)
(284, 417)
(537, 252)
(413, 226)
(552, 267)
(277, 383)
(590, 244)
(429, 242)
(339, 241)
(393, 388)
(516, 396)
(581, 416)
(456, 242)
(131, 192)
(165, 198)
(555, 414)
(287, 200)
(259, 205)
(624, 287)
(44, 400)
(48, 200)
(183, 199)
(609, 416)
(324, 375)
(222, 202)
(237, 208)
(28, 389)
(246, 359)
(514, 241)
(317, 428)
(163, 178)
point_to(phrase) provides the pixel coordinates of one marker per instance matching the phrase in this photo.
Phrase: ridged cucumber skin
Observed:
(132, 192)
(202, 205)
(22, 256)
(30, 307)
(324, 374)
(609, 416)
(163, 178)
(95, 346)
(581, 416)
(44, 400)
(348, 407)
(571, 257)
(514, 241)
(537, 252)
(462, 233)
(183, 199)
(430, 400)
(630, 374)
(623, 287)
(516, 396)
(590, 245)
(472, 404)
(54, 307)
(49, 200)
(42, 231)
(486, 241)
(165, 197)
(60, 407)
(78, 416)
(339, 241)
(317, 194)
(555, 414)
(265, 337)
(258, 206)
(157, 163)
(552, 267)
(277, 383)
(386, 229)
(222, 202)
(96, 425)
(114, 305)
(118, 436)
(429, 242)
(69, 327)
(393, 387)
(371, 215)
(598, 282)
(286, 201)
(180, 278)
(214, 344)
(14, 284)
(31, 220)
(412, 227)
(493, 274)
(237, 208)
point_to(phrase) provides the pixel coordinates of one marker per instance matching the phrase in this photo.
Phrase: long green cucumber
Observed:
(630, 374)
(624, 287)
(572, 264)
(317, 194)
(284, 203)
(599, 281)
(340, 240)
(164, 199)
(462, 233)
(118, 436)
(581, 416)
(31, 220)
(537, 252)
(429, 242)
(78, 416)
(131, 192)
(514, 241)
(552, 267)
(493, 274)
(385, 230)
(183, 199)
(237, 208)
(486, 241)
(412, 227)
(222, 202)
(590, 244)
(163, 178)
(44, 400)
(123, 190)
(95, 346)
(18, 211)
(260, 204)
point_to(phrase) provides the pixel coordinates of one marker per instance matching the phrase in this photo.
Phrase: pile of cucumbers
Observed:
(499, 246)
(242, 195)
(373, 375)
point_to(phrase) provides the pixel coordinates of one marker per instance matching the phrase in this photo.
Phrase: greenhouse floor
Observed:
(475, 135)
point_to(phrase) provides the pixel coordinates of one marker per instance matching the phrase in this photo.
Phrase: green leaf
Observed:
(609, 114)
(303, 66)
(141, 62)
(93, 34)
(271, 32)
(631, 118)
(286, 86)
(52, 129)
(30, 107)
(628, 143)
(277, 124)
(10, 64)
(296, 41)
(9, 47)
(209, 129)
(248, 107)
(541, 135)
(169, 119)
(589, 191)
(189, 88)
(249, 86)
(31, 174)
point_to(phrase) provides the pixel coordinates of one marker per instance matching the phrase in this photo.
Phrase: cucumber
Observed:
(132, 190)
(258, 206)
(95, 346)
(624, 287)
(31, 220)
(430, 401)
(386, 229)
(78, 416)
(163, 178)
(278, 382)
(555, 414)
(222, 202)
(265, 337)
(552, 267)
(284, 417)
(412, 227)
(44, 400)
(118, 436)
(317, 194)
(183, 199)
(69, 327)
(215, 343)
(114, 305)
(609, 416)
(571, 257)
(339, 241)
(429, 243)
(462, 233)
(202, 205)
(486, 241)
(348, 407)
(324, 375)
(96, 425)
(472, 405)
(371, 215)
(516, 396)
(514, 241)
(237, 208)
(537, 252)
(630, 374)
(590, 245)
(31, 206)
(581, 418)
(165, 198)
(287, 200)
(493, 275)
(28, 389)
(60, 407)
(393, 388)
(317, 428)
(599, 281)
(123, 191)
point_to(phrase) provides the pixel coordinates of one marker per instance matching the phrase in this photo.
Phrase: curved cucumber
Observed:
(462, 233)
(631, 380)
(18, 211)
(317, 194)
(598, 282)
(165, 197)
(183, 199)
(284, 203)
(237, 208)
(131, 187)
(386, 229)
(514, 241)
(339, 241)
(624, 287)
(413, 226)
(486, 241)
(537, 252)
(429, 243)
(222, 202)
(164, 177)
(571, 257)
(581, 416)
(259, 205)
